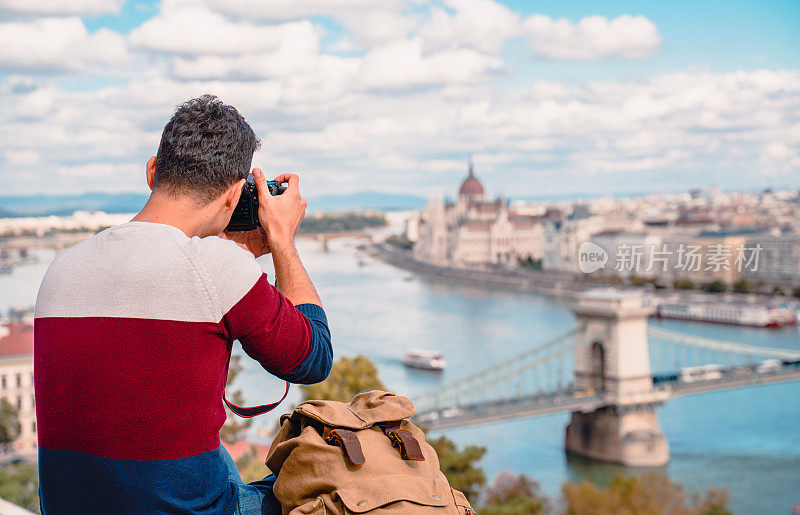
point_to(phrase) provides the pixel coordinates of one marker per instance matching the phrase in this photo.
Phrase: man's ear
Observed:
(150, 169)
(233, 194)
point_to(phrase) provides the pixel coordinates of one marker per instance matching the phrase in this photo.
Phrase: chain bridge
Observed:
(611, 371)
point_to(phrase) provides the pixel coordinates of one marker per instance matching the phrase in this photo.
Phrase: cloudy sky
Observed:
(566, 97)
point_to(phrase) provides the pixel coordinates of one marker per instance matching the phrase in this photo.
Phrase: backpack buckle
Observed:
(404, 441)
(348, 441)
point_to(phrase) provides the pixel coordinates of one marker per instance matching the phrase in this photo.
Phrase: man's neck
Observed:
(181, 212)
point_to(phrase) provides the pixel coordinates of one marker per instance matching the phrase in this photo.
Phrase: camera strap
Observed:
(252, 411)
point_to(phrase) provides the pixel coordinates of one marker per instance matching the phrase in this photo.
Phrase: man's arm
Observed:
(287, 323)
(281, 216)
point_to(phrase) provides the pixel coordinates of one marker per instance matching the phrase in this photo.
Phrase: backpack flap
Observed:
(365, 410)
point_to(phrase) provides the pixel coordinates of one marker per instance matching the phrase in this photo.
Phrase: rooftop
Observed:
(16, 339)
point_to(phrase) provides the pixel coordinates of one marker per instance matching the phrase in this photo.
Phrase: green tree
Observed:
(339, 222)
(251, 468)
(683, 284)
(19, 484)
(9, 423)
(650, 495)
(460, 466)
(641, 281)
(400, 241)
(19, 481)
(235, 427)
(514, 494)
(716, 286)
(529, 262)
(742, 286)
(348, 377)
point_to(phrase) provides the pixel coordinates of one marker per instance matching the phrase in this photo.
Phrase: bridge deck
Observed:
(531, 406)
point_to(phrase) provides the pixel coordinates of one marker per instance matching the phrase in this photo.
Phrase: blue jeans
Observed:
(254, 498)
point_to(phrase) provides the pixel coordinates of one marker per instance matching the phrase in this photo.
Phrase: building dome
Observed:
(471, 187)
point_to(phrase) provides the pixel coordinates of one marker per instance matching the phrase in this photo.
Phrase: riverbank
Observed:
(552, 284)
(746, 309)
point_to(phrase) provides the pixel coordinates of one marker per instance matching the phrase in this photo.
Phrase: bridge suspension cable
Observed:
(498, 373)
(720, 345)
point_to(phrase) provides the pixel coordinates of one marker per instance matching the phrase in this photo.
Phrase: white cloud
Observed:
(29, 102)
(593, 37)
(22, 157)
(296, 50)
(378, 27)
(403, 64)
(419, 93)
(189, 27)
(278, 10)
(58, 44)
(62, 7)
(204, 44)
(480, 24)
(679, 125)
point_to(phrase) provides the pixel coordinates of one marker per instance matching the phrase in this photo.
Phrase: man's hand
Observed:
(280, 215)
(254, 241)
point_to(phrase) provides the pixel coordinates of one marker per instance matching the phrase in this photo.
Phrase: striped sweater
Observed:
(133, 332)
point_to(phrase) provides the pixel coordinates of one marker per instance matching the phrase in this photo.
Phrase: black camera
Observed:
(245, 216)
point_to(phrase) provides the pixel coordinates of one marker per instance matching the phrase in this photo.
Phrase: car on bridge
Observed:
(702, 373)
(741, 371)
(452, 411)
(664, 378)
(580, 394)
(768, 365)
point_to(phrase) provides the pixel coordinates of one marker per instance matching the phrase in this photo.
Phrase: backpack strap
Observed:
(348, 441)
(404, 441)
(252, 411)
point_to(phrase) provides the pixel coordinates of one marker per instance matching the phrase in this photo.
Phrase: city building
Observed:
(474, 231)
(778, 259)
(16, 382)
(633, 253)
(704, 238)
(563, 236)
(722, 256)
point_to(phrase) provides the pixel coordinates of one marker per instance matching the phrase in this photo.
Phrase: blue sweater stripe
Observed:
(78, 482)
(317, 364)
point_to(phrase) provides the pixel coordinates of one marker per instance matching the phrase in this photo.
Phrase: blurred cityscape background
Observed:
(552, 225)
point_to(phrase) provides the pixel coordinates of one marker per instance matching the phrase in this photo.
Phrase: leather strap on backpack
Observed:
(348, 441)
(404, 441)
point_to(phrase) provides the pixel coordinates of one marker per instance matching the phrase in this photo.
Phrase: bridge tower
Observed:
(614, 361)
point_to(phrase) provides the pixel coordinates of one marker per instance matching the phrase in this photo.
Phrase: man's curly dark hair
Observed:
(205, 147)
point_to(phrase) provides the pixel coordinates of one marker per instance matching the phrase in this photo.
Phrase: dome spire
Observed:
(471, 189)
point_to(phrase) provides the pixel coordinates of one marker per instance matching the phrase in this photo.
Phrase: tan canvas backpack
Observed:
(334, 458)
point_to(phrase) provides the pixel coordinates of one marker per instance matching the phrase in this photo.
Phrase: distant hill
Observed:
(62, 205)
(363, 200)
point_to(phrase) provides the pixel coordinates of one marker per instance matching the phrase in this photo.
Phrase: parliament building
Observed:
(474, 231)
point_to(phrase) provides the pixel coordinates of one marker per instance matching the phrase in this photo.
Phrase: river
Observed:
(745, 440)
